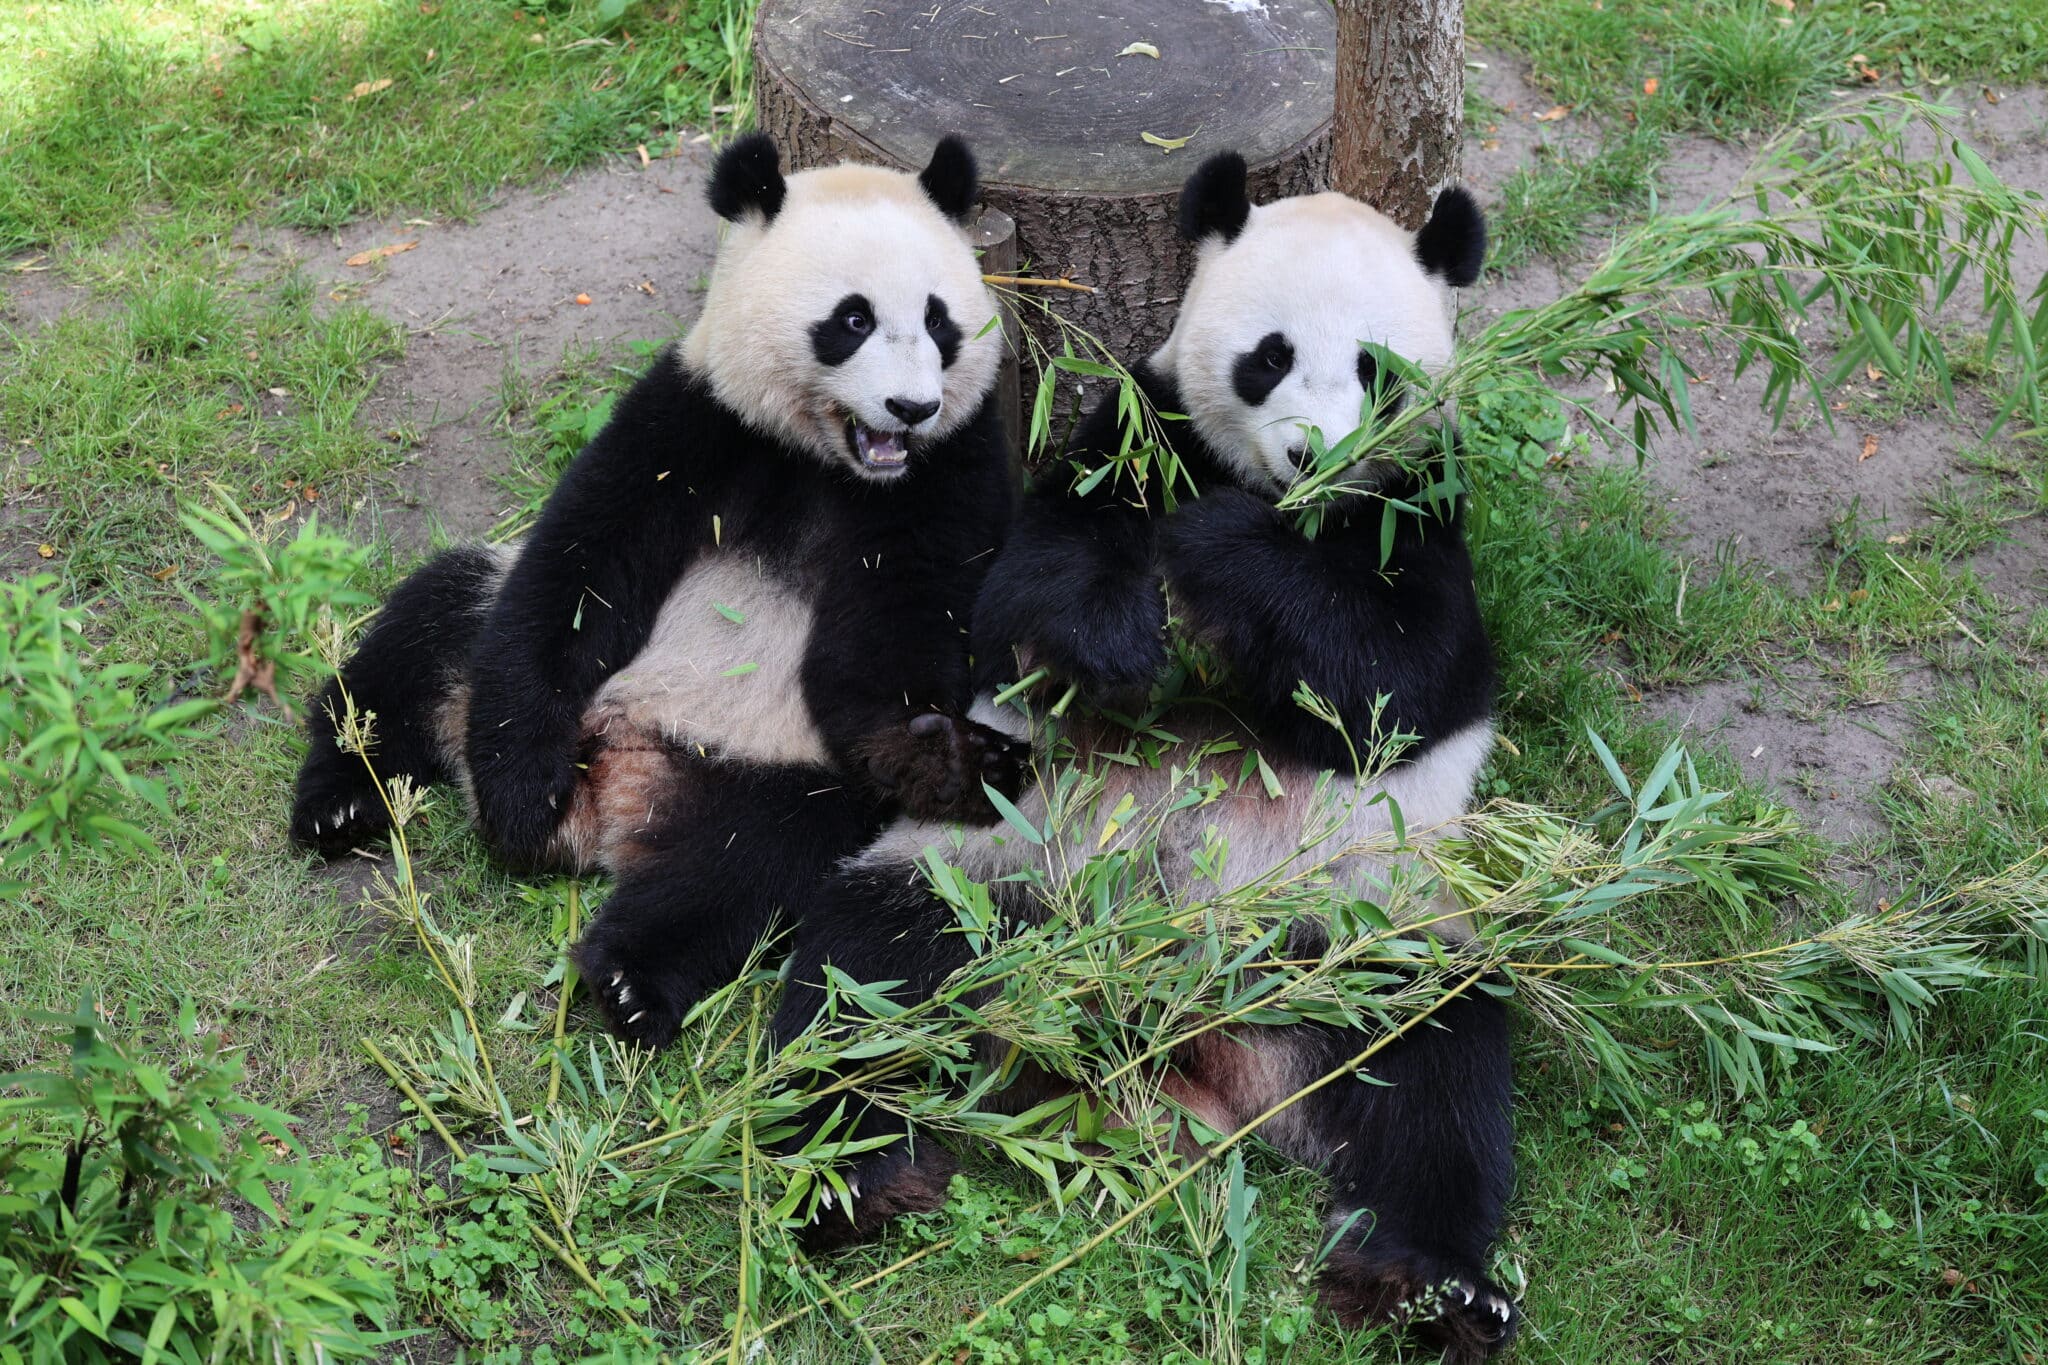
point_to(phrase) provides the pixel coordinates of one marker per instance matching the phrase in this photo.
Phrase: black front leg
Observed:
(886, 680)
(615, 537)
(1335, 613)
(1075, 591)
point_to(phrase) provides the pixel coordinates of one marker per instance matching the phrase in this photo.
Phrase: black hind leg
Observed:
(410, 662)
(734, 855)
(1420, 1162)
(874, 924)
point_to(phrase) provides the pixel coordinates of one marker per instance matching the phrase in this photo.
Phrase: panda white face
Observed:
(1267, 343)
(846, 313)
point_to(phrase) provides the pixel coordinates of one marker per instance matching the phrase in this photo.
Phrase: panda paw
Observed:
(935, 766)
(521, 798)
(638, 1005)
(1447, 1305)
(337, 806)
(880, 1187)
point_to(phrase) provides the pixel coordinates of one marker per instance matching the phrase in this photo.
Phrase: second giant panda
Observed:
(734, 643)
(1267, 345)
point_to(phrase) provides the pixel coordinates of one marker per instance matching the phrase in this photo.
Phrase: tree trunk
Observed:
(1057, 106)
(1400, 103)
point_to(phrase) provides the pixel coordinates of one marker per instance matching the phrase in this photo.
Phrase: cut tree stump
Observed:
(1058, 118)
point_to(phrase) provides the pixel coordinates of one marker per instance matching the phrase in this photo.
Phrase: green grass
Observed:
(212, 112)
(1549, 208)
(1907, 1220)
(1726, 61)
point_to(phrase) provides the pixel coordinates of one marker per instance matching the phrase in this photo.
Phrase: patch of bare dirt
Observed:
(613, 254)
(1774, 493)
(1826, 764)
(33, 293)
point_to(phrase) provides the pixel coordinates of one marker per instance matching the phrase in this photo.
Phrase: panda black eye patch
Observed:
(945, 333)
(1382, 390)
(1259, 371)
(837, 335)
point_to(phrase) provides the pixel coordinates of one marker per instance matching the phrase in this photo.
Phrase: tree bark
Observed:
(1057, 109)
(1400, 103)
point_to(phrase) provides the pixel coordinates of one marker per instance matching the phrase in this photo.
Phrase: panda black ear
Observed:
(747, 176)
(1213, 199)
(1453, 242)
(950, 179)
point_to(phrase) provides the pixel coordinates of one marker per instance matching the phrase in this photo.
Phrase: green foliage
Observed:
(717, 61)
(269, 612)
(77, 735)
(1740, 68)
(148, 1212)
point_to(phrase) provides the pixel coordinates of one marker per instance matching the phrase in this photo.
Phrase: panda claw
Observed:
(1466, 1290)
(625, 995)
(636, 1018)
(1500, 1309)
(826, 1198)
(316, 826)
(617, 977)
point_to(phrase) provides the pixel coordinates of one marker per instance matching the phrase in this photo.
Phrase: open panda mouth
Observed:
(883, 452)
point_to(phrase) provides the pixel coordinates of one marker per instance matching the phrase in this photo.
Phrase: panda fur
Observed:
(734, 644)
(1266, 342)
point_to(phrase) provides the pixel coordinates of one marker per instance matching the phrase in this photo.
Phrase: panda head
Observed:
(846, 316)
(1267, 343)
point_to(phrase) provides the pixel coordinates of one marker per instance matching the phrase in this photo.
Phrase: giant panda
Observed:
(1266, 344)
(733, 645)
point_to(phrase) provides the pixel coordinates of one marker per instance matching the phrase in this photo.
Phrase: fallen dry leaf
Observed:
(166, 572)
(583, 300)
(1991, 96)
(363, 88)
(1650, 86)
(231, 410)
(378, 253)
(644, 162)
(47, 550)
(1869, 447)
(1869, 74)
(1896, 538)
(1140, 50)
(1871, 372)
(251, 671)
(1165, 144)
(646, 287)
(1552, 114)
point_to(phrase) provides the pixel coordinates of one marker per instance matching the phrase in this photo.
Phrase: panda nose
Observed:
(909, 413)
